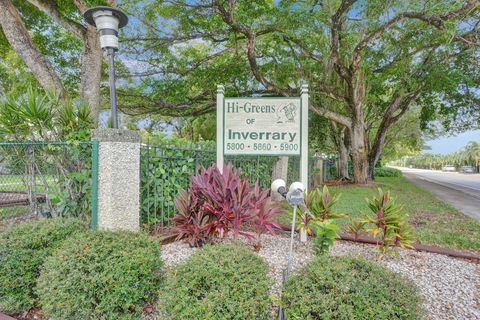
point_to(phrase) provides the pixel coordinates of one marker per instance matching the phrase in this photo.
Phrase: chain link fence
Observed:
(167, 168)
(47, 180)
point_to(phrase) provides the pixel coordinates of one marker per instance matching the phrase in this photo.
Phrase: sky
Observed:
(443, 145)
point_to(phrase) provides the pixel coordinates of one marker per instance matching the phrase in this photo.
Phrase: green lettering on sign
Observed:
(262, 126)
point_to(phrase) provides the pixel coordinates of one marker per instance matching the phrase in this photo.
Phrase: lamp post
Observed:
(108, 20)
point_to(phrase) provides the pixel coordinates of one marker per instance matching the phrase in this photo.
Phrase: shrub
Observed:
(100, 275)
(219, 203)
(345, 289)
(389, 223)
(387, 172)
(23, 250)
(218, 282)
(325, 234)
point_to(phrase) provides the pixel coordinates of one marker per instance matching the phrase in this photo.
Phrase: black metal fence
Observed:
(167, 168)
(48, 179)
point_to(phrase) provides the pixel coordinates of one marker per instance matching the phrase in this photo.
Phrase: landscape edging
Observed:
(417, 246)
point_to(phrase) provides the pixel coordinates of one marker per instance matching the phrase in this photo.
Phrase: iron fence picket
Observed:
(173, 165)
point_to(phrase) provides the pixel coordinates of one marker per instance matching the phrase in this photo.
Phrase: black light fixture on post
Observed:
(108, 20)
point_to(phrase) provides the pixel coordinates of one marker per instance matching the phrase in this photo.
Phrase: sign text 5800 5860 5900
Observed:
(262, 126)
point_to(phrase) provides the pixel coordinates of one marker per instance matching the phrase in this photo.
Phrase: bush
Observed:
(387, 172)
(218, 282)
(345, 288)
(219, 203)
(100, 275)
(23, 250)
(326, 232)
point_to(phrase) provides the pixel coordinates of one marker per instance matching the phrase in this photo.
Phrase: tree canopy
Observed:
(368, 64)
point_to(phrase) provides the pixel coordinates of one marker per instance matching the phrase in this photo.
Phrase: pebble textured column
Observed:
(118, 179)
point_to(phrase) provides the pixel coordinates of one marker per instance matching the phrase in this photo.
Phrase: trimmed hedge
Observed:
(100, 275)
(23, 250)
(347, 289)
(218, 282)
(387, 172)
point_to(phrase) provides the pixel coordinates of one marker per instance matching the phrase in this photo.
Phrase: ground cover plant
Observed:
(433, 221)
(217, 204)
(226, 281)
(100, 275)
(346, 289)
(23, 250)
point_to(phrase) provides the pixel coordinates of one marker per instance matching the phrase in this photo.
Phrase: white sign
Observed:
(262, 126)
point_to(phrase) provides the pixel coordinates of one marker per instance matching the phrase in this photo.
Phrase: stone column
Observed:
(118, 179)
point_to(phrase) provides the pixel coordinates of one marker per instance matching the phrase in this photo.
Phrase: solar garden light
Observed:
(108, 20)
(295, 197)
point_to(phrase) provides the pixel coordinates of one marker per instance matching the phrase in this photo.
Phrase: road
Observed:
(460, 190)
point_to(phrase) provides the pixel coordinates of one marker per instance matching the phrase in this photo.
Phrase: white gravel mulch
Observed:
(450, 287)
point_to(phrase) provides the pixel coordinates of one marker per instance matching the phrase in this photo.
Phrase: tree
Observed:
(469, 155)
(404, 138)
(36, 29)
(367, 62)
(472, 154)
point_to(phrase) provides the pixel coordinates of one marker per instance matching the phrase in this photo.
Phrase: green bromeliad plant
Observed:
(389, 224)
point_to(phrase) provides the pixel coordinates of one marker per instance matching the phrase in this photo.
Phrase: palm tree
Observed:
(472, 154)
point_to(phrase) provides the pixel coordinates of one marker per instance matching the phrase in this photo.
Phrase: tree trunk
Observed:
(342, 144)
(376, 151)
(401, 103)
(343, 162)
(359, 154)
(280, 171)
(90, 72)
(19, 38)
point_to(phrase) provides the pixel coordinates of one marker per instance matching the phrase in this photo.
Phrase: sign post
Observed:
(220, 102)
(304, 128)
(272, 126)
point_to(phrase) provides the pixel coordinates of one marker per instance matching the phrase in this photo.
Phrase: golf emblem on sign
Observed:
(287, 113)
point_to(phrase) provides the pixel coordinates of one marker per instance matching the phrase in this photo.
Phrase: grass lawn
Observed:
(435, 222)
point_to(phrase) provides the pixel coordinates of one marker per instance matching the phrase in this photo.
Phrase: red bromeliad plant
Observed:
(191, 223)
(265, 221)
(217, 204)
